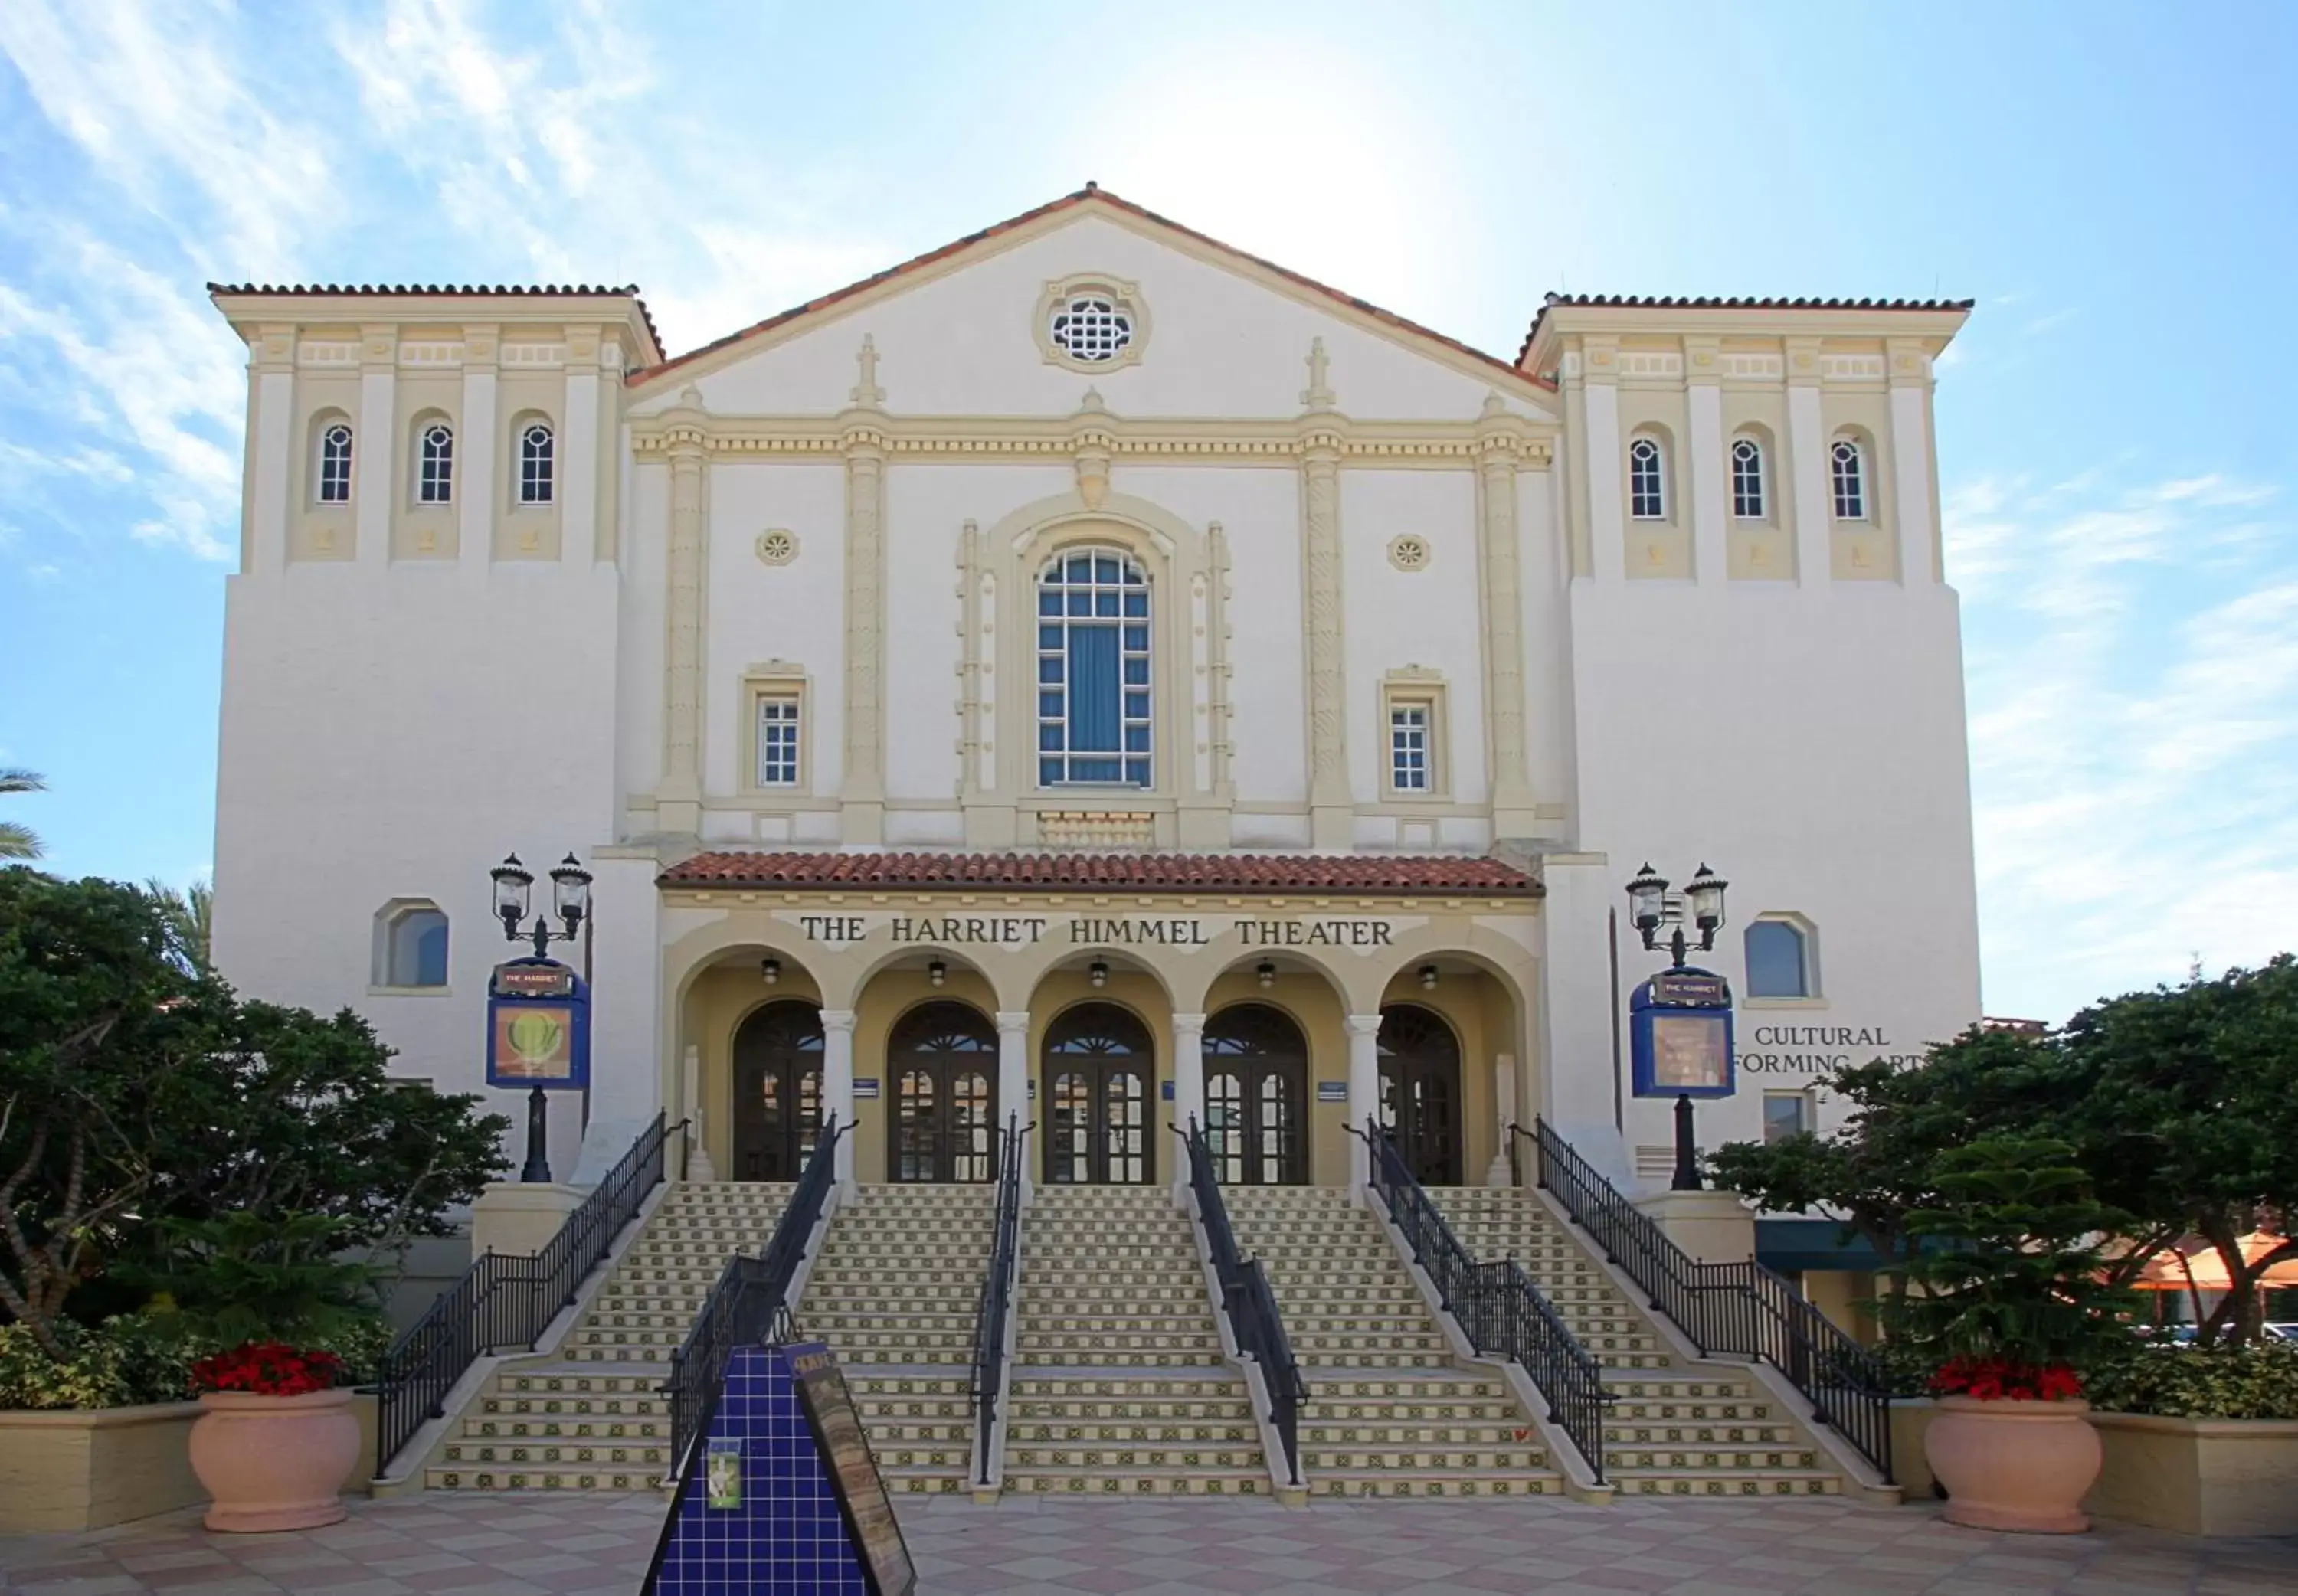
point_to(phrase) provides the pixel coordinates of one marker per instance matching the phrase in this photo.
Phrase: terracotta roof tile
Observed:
(1255, 874)
(452, 291)
(1091, 194)
(1630, 302)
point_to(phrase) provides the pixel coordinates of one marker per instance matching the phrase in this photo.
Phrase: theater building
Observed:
(1090, 673)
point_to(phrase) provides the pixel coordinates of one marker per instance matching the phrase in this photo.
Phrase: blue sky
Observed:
(2113, 184)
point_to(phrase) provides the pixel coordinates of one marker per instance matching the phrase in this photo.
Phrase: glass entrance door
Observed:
(1100, 1074)
(1256, 1079)
(1420, 1091)
(777, 1090)
(943, 1059)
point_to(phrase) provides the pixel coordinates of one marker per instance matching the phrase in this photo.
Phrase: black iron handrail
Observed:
(1500, 1309)
(997, 1294)
(505, 1301)
(1746, 1309)
(750, 1301)
(1251, 1306)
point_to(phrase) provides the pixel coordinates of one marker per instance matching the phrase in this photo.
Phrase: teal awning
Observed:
(1797, 1244)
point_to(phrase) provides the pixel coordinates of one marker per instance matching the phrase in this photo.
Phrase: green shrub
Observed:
(137, 1358)
(2253, 1382)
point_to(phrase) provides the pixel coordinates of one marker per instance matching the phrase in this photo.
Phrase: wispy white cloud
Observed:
(2130, 771)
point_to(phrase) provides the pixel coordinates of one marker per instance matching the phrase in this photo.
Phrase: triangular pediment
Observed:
(1214, 331)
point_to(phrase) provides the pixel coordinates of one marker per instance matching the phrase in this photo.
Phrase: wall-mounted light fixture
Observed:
(1428, 978)
(772, 969)
(1098, 972)
(937, 972)
(1267, 970)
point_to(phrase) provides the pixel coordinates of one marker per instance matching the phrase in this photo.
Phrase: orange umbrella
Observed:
(2194, 1264)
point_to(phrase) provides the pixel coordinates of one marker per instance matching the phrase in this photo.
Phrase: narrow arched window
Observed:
(1848, 465)
(1778, 960)
(534, 464)
(336, 464)
(411, 944)
(1092, 669)
(1646, 480)
(1749, 501)
(434, 482)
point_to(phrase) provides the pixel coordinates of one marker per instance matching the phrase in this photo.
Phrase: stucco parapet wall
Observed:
(1933, 323)
(1274, 441)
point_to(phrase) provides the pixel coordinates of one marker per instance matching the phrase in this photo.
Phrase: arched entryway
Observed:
(777, 1090)
(1100, 1073)
(1420, 1091)
(942, 1058)
(1256, 1094)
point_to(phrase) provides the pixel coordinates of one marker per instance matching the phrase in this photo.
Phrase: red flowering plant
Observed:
(2011, 1303)
(268, 1369)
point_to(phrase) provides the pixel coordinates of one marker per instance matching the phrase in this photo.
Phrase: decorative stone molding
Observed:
(1124, 298)
(1219, 705)
(1409, 551)
(1388, 445)
(975, 772)
(1318, 395)
(1329, 822)
(866, 393)
(777, 546)
(1091, 828)
(862, 440)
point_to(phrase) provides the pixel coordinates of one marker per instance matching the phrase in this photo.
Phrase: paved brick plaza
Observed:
(540, 1545)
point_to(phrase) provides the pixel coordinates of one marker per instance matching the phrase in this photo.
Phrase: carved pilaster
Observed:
(1217, 640)
(1329, 819)
(970, 695)
(1503, 597)
(863, 441)
(678, 807)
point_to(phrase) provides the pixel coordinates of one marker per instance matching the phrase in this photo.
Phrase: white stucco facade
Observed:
(1334, 514)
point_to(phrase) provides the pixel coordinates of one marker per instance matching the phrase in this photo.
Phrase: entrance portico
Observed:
(925, 999)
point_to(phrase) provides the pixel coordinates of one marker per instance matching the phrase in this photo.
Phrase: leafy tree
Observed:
(190, 918)
(135, 1091)
(18, 841)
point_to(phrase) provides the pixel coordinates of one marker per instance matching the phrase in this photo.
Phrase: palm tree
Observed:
(190, 915)
(20, 841)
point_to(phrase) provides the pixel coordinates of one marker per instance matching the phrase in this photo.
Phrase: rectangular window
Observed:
(778, 735)
(1408, 747)
(1786, 1114)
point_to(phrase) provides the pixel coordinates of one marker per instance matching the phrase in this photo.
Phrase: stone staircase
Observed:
(591, 1418)
(1672, 1431)
(1119, 1387)
(1389, 1413)
(896, 1294)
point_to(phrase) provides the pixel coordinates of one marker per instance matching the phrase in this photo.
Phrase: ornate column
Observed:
(1330, 805)
(377, 464)
(1497, 1173)
(862, 438)
(578, 452)
(1188, 1083)
(837, 1085)
(1706, 445)
(1814, 521)
(1364, 1093)
(1013, 1075)
(1499, 447)
(270, 525)
(1602, 462)
(686, 438)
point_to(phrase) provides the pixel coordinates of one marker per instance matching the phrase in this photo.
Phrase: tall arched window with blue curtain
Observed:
(1092, 669)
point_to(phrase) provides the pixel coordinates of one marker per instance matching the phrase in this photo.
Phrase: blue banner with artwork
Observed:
(781, 1496)
(538, 1026)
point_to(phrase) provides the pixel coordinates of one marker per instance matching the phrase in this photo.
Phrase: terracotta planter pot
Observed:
(2014, 1465)
(274, 1462)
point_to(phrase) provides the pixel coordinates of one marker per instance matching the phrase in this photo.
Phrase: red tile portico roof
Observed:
(1261, 875)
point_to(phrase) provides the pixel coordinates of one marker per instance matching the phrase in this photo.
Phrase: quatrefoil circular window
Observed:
(1409, 553)
(1091, 323)
(777, 546)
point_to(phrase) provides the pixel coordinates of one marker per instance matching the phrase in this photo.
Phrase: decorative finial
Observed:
(1494, 405)
(689, 398)
(1091, 403)
(866, 392)
(1318, 395)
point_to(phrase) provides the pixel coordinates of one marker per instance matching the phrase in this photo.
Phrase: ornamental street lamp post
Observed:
(1649, 909)
(570, 893)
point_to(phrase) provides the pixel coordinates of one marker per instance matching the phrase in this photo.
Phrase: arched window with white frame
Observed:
(1750, 495)
(1094, 675)
(1847, 469)
(537, 463)
(1646, 479)
(411, 945)
(333, 480)
(434, 477)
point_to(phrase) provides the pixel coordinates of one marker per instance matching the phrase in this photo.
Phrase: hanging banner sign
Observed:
(538, 1026)
(1680, 1034)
